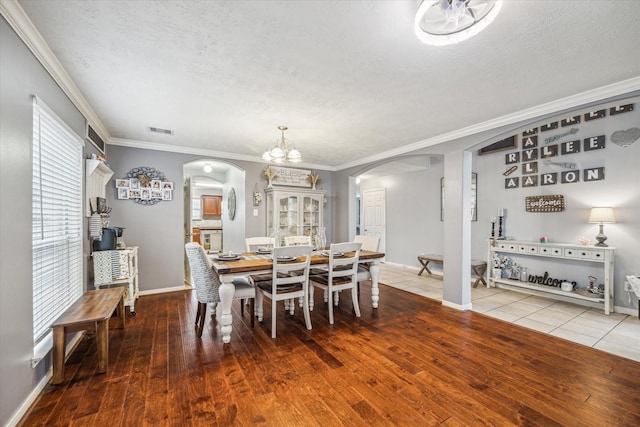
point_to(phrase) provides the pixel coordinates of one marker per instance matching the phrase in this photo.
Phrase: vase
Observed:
(497, 273)
(506, 273)
(321, 239)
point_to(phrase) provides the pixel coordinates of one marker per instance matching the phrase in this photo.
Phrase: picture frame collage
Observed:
(133, 188)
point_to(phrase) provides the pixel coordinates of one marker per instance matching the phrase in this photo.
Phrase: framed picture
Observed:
(474, 197)
(145, 193)
(167, 194)
(134, 184)
(156, 184)
(156, 194)
(122, 183)
(134, 193)
(123, 193)
(167, 185)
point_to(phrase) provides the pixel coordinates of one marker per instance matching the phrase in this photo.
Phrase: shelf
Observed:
(97, 175)
(559, 252)
(547, 289)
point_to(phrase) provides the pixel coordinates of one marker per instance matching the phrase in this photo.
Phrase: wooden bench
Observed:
(91, 311)
(479, 267)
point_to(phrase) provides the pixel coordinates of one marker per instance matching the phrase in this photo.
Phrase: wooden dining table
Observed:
(253, 263)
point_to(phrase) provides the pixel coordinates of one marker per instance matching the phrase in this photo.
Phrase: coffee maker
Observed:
(119, 231)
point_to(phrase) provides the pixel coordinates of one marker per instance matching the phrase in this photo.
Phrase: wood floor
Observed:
(412, 362)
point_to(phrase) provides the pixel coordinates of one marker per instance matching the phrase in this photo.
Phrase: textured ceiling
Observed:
(349, 78)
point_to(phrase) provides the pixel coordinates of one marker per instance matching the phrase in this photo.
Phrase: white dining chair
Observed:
(297, 240)
(207, 284)
(289, 280)
(341, 275)
(253, 243)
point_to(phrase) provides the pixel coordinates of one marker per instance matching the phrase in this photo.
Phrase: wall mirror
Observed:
(474, 194)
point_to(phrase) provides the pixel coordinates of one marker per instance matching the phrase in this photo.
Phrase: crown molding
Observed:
(570, 102)
(22, 25)
(144, 145)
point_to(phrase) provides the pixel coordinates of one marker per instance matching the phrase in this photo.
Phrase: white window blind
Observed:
(56, 218)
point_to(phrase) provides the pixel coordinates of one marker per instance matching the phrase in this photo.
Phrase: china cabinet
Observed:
(294, 212)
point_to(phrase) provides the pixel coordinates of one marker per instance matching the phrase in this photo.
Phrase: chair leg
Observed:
(197, 314)
(202, 306)
(305, 310)
(274, 306)
(354, 297)
(253, 312)
(330, 304)
(336, 298)
(292, 306)
(242, 307)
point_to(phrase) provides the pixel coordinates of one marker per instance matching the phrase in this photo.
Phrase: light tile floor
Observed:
(617, 333)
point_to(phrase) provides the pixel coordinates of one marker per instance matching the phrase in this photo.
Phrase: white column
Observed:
(457, 230)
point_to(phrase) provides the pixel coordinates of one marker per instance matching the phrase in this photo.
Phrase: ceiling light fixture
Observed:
(283, 151)
(446, 22)
(207, 168)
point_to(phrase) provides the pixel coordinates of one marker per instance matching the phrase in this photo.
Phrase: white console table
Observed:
(558, 251)
(118, 267)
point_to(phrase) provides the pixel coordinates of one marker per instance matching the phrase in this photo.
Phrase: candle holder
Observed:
(500, 227)
(493, 228)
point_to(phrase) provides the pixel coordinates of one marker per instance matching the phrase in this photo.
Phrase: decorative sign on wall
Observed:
(144, 185)
(290, 177)
(505, 144)
(553, 203)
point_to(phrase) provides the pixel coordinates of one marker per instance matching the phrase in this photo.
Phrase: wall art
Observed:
(546, 203)
(505, 144)
(620, 109)
(625, 138)
(144, 185)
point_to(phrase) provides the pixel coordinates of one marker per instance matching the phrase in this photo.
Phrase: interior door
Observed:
(187, 228)
(373, 215)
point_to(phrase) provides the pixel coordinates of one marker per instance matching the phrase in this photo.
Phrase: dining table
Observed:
(260, 263)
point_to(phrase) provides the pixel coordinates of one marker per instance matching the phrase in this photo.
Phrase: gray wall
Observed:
(158, 230)
(21, 76)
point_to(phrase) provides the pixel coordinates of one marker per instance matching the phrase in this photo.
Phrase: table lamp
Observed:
(601, 216)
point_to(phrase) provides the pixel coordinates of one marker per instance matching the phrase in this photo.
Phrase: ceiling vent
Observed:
(162, 131)
(93, 137)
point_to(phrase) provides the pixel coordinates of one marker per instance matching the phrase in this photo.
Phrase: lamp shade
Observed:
(602, 216)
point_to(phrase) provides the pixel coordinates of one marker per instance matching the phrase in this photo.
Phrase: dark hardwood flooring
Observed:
(412, 362)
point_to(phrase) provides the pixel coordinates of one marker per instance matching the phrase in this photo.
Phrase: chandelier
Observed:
(444, 22)
(283, 151)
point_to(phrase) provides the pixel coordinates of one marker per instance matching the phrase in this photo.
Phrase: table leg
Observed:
(374, 270)
(102, 342)
(226, 291)
(479, 270)
(59, 346)
(121, 313)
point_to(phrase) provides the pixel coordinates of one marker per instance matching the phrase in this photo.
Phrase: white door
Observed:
(373, 215)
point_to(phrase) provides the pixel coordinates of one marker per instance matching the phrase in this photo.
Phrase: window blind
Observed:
(56, 218)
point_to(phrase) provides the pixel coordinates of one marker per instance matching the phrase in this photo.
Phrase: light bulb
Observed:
(207, 168)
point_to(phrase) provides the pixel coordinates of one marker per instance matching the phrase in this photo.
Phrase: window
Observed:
(56, 218)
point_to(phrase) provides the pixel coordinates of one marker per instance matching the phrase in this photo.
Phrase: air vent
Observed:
(93, 137)
(159, 130)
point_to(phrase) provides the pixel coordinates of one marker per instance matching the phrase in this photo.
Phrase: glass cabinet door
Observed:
(293, 214)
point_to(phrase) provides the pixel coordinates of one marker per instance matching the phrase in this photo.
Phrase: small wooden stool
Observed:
(479, 267)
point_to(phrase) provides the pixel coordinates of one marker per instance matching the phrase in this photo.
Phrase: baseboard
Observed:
(626, 310)
(163, 290)
(35, 393)
(465, 307)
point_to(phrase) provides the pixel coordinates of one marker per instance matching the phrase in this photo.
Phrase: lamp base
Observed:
(601, 237)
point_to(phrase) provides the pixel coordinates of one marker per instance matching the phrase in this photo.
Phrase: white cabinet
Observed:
(294, 212)
(119, 267)
(556, 252)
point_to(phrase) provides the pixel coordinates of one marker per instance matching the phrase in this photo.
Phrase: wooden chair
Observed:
(297, 240)
(207, 283)
(289, 280)
(253, 243)
(342, 274)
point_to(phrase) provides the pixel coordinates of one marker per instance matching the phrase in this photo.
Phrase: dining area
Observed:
(289, 273)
